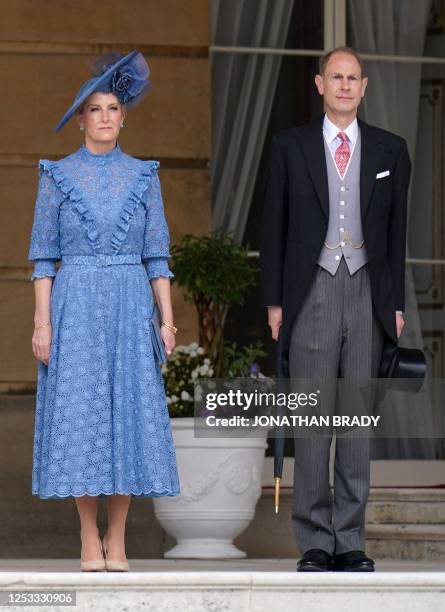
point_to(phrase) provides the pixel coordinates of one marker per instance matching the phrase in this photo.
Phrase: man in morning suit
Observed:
(332, 266)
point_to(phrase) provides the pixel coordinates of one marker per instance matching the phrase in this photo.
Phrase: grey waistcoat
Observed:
(348, 192)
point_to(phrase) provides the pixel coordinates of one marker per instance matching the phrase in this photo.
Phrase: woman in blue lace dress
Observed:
(102, 426)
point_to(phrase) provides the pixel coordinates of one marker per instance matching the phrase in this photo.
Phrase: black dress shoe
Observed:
(353, 561)
(315, 560)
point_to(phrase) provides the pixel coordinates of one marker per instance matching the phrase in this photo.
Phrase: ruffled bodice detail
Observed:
(75, 197)
(134, 199)
(107, 203)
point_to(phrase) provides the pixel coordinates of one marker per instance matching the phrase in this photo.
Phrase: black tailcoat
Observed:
(296, 215)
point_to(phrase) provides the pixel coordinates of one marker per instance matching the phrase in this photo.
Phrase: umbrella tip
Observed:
(277, 493)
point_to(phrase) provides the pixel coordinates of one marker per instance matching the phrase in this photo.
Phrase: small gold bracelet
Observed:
(42, 325)
(169, 326)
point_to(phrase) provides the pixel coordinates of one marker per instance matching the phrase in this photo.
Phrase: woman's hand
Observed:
(41, 343)
(161, 290)
(168, 338)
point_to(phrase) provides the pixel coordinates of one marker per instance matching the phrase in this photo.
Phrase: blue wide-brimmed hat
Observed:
(126, 76)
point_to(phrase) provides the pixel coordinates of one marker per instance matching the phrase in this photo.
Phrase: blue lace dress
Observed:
(101, 424)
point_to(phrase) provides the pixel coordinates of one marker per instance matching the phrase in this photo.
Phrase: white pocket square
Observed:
(382, 174)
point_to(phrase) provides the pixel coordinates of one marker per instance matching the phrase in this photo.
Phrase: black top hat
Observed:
(404, 368)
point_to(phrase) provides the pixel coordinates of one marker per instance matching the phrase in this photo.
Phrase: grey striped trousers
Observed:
(335, 334)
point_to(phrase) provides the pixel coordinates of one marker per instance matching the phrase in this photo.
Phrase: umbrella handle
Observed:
(277, 494)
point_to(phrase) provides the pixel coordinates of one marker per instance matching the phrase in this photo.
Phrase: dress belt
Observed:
(101, 260)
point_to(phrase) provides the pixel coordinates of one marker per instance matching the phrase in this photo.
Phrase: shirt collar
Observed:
(331, 130)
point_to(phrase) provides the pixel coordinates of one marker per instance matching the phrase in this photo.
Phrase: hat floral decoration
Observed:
(130, 82)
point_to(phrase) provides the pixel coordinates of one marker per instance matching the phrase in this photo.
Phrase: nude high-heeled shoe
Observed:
(112, 565)
(95, 565)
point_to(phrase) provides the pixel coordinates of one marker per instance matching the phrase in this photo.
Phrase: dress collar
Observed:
(100, 157)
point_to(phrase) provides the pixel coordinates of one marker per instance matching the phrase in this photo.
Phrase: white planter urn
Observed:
(220, 480)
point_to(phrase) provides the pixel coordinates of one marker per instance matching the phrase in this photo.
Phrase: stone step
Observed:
(414, 550)
(424, 494)
(420, 506)
(232, 586)
(399, 537)
(406, 532)
(408, 541)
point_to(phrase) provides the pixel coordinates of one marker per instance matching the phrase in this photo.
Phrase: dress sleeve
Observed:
(44, 247)
(156, 251)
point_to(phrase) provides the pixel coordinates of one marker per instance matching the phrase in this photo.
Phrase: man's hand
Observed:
(399, 323)
(275, 316)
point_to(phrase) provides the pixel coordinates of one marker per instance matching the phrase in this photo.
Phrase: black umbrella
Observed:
(279, 438)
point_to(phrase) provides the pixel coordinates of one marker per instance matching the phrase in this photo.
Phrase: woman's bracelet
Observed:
(42, 325)
(169, 326)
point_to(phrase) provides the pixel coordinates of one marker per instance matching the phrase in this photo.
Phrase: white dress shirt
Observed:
(330, 131)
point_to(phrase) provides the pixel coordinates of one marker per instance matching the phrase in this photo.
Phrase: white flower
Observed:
(200, 351)
(185, 395)
(194, 374)
(207, 361)
(174, 399)
(193, 346)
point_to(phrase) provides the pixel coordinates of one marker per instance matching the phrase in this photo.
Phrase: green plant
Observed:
(214, 273)
(188, 364)
(185, 365)
(241, 362)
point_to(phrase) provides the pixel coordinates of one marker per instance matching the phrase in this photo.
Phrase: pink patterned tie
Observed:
(342, 153)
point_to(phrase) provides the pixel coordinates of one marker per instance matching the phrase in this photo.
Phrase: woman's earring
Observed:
(122, 124)
(81, 128)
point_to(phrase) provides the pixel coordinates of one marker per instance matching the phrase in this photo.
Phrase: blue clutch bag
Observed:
(155, 330)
